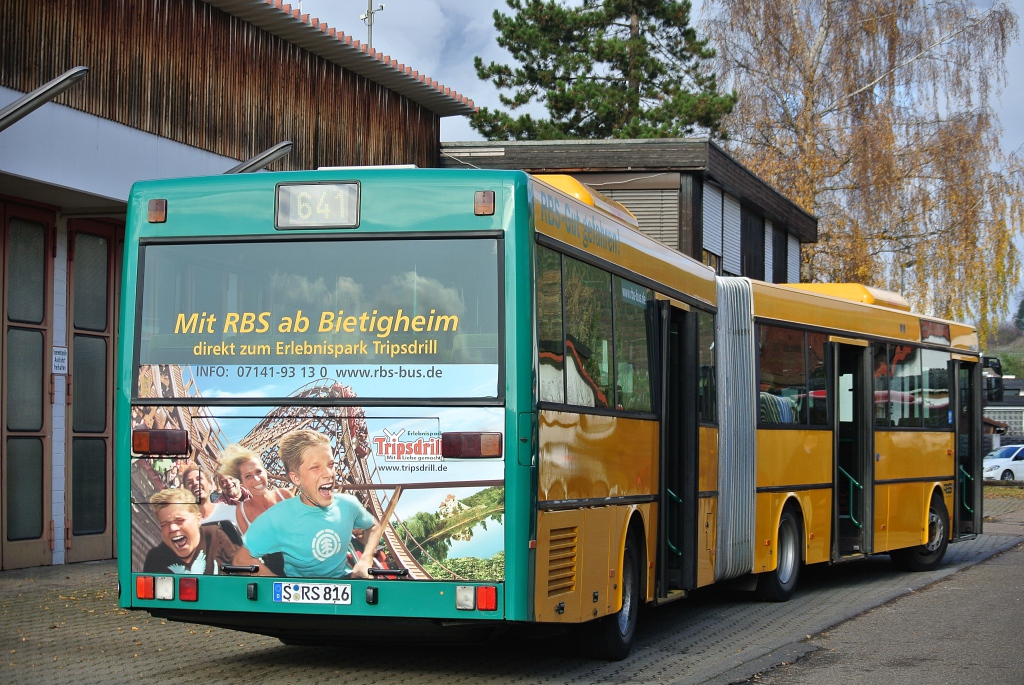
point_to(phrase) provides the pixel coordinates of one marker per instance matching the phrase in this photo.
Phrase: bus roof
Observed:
(857, 293)
(823, 305)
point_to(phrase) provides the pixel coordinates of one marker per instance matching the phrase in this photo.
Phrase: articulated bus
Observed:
(414, 401)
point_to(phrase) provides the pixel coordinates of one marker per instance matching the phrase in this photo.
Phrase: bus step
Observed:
(849, 556)
(672, 596)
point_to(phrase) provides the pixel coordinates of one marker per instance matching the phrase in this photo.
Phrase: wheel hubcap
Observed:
(936, 531)
(627, 598)
(787, 552)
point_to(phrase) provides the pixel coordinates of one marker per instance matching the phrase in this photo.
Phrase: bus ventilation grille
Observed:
(562, 560)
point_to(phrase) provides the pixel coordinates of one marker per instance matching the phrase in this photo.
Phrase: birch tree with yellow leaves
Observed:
(875, 115)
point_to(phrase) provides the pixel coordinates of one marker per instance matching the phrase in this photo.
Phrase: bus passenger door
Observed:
(677, 529)
(853, 447)
(966, 407)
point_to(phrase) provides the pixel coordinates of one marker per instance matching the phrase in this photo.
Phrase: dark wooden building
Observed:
(687, 193)
(174, 88)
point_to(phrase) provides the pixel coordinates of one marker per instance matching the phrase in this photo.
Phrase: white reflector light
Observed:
(165, 587)
(465, 597)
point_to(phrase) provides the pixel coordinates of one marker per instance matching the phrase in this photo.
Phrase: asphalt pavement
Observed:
(966, 629)
(851, 623)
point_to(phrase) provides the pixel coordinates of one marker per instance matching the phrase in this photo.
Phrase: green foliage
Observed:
(1018, 318)
(429, 536)
(469, 568)
(1012, 361)
(604, 69)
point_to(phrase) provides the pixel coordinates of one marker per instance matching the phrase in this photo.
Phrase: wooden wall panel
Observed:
(186, 71)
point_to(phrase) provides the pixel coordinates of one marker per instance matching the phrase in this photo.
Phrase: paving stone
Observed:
(61, 624)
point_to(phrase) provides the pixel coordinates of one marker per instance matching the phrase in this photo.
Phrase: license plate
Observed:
(312, 593)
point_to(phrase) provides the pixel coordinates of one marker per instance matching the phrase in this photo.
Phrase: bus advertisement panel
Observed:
(299, 370)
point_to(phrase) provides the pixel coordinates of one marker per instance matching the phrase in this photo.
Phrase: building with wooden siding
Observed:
(174, 88)
(687, 193)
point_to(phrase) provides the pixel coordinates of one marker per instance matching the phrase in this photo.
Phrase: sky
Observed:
(440, 38)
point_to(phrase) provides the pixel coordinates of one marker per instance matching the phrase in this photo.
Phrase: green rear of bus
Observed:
(376, 308)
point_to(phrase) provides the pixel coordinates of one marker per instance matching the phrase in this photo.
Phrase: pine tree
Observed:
(1018, 318)
(603, 69)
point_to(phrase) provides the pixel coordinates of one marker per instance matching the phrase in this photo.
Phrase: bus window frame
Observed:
(320, 236)
(948, 428)
(806, 425)
(563, 251)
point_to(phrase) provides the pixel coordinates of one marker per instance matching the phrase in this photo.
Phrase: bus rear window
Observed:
(407, 318)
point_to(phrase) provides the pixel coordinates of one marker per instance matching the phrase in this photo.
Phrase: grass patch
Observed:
(1005, 491)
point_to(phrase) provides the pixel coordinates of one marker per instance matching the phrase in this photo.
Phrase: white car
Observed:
(1005, 463)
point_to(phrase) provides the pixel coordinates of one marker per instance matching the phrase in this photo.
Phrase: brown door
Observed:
(92, 317)
(26, 456)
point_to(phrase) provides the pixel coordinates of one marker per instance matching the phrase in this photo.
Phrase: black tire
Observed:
(611, 637)
(1006, 475)
(779, 585)
(929, 555)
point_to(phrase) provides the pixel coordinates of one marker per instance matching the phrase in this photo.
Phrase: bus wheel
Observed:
(778, 585)
(927, 556)
(612, 636)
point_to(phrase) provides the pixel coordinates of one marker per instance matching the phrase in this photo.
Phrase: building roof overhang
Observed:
(648, 155)
(311, 34)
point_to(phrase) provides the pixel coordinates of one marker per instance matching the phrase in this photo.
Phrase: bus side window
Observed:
(817, 385)
(707, 384)
(632, 345)
(550, 346)
(880, 375)
(905, 392)
(783, 376)
(588, 335)
(935, 404)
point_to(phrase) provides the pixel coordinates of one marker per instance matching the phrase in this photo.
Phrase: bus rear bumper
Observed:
(330, 629)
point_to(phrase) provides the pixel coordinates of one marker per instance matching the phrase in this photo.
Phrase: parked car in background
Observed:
(1005, 463)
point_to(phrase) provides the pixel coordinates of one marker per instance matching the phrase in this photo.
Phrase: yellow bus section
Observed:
(816, 511)
(589, 458)
(579, 561)
(914, 454)
(901, 512)
(901, 508)
(791, 458)
(857, 292)
(707, 450)
(707, 503)
(790, 304)
(794, 459)
(840, 306)
(590, 226)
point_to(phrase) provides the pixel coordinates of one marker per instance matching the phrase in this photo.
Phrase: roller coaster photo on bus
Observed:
(443, 527)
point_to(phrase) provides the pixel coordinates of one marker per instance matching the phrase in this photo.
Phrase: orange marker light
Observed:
(145, 587)
(470, 445)
(157, 211)
(157, 441)
(483, 202)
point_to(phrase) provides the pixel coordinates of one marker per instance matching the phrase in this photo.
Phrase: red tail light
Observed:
(145, 587)
(188, 589)
(487, 598)
(470, 445)
(159, 441)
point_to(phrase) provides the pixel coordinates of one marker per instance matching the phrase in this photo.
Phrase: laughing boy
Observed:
(314, 530)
